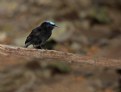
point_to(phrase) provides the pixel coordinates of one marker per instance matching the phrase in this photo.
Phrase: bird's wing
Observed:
(33, 34)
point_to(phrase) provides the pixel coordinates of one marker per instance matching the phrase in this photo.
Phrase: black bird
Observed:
(40, 35)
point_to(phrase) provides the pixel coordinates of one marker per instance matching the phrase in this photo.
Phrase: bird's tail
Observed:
(26, 45)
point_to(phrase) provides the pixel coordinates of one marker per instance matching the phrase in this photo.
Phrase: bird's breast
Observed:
(46, 34)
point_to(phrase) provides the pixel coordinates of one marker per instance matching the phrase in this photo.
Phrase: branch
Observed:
(52, 54)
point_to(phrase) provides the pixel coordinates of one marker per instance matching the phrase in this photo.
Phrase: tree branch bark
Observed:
(52, 54)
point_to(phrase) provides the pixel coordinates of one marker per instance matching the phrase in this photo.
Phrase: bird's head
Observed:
(48, 25)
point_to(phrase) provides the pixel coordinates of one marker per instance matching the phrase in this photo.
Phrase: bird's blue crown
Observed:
(49, 22)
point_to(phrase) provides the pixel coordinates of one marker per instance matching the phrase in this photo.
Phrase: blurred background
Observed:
(86, 27)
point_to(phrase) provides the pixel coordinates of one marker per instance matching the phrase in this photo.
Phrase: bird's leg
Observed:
(37, 46)
(42, 46)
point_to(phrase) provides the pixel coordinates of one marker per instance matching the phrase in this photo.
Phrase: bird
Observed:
(40, 35)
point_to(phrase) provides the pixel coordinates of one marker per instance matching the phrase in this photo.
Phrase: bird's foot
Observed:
(37, 47)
